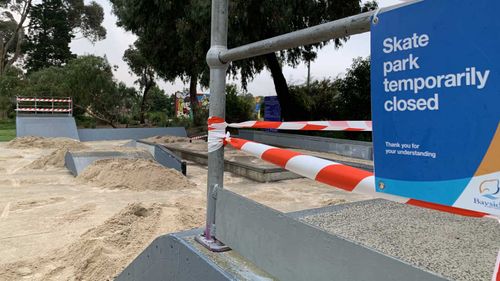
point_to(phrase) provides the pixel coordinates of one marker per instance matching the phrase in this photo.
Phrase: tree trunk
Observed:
(147, 87)
(281, 87)
(192, 94)
(96, 116)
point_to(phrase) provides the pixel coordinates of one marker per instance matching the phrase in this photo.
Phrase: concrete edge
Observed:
(171, 258)
(294, 251)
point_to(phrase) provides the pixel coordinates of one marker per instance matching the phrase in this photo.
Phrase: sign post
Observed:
(436, 103)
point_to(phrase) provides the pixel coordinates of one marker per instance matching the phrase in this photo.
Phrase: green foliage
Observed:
(158, 101)
(85, 122)
(345, 98)
(143, 69)
(180, 122)
(157, 119)
(10, 86)
(89, 81)
(7, 130)
(174, 35)
(239, 106)
(49, 36)
(354, 101)
(52, 25)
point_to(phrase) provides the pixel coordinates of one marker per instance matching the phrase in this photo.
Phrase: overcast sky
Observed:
(329, 63)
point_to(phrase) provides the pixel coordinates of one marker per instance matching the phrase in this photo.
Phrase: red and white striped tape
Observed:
(45, 99)
(334, 174)
(496, 272)
(307, 125)
(45, 109)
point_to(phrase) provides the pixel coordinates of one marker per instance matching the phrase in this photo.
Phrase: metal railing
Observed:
(218, 58)
(44, 106)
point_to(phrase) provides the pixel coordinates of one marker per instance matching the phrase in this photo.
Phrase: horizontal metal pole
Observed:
(335, 29)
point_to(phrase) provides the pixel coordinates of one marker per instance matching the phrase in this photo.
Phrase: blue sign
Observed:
(272, 109)
(436, 103)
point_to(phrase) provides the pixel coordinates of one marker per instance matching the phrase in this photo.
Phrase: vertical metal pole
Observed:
(218, 43)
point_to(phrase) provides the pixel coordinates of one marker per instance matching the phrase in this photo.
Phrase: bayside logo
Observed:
(490, 189)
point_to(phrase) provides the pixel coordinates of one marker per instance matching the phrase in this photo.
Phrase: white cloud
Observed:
(329, 63)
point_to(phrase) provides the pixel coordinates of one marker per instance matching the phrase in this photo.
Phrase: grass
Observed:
(7, 130)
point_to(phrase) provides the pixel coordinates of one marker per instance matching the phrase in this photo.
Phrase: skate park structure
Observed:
(271, 245)
(52, 117)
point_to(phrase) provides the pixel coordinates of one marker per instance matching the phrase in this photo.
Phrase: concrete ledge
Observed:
(129, 133)
(77, 161)
(350, 148)
(252, 172)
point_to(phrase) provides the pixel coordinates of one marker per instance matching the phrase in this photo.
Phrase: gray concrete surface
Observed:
(242, 166)
(459, 248)
(176, 257)
(294, 251)
(129, 133)
(355, 149)
(77, 161)
(161, 154)
(46, 126)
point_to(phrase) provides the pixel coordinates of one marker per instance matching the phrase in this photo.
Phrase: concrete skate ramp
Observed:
(46, 127)
(161, 154)
(129, 133)
(77, 161)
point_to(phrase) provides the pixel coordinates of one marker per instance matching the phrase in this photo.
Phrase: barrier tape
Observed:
(45, 109)
(335, 174)
(357, 126)
(496, 273)
(44, 99)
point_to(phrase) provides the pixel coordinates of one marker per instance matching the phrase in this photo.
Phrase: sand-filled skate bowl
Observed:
(102, 252)
(134, 174)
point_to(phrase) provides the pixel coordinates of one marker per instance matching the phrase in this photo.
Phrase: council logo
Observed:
(490, 189)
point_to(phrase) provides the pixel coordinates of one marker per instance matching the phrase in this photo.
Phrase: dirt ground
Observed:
(57, 227)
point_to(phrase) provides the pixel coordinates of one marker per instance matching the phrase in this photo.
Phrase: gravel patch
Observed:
(456, 247)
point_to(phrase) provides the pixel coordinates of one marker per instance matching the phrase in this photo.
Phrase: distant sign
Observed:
(436, 103)
(272, 109)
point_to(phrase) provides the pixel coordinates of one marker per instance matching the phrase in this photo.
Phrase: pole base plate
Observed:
(213, 244)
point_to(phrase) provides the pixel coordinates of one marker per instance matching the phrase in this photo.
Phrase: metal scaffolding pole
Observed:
(335, 29)
(218, 43)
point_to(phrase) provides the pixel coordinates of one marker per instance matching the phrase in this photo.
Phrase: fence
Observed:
(52, 106)
(340, 176)
(218, 58)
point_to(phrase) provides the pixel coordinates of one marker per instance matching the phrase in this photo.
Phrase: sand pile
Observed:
(103, 252)
(134, 174)
(41, 142)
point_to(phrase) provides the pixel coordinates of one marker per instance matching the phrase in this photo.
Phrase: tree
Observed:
(12, 31)
(160, 102)
(280, 17)
(49, 36)
(89, 81)
(239, 106)
(81, 18)
(354, 100)
(11, 85)
(174, 35)
(145, 72)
